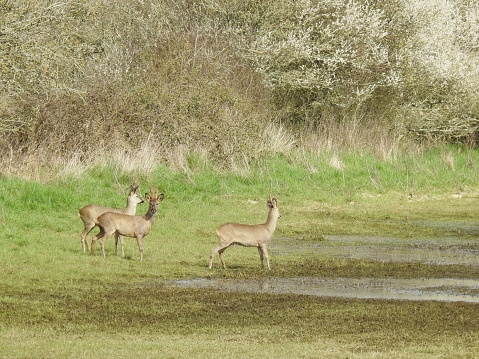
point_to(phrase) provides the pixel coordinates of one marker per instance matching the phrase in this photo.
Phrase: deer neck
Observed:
(150, 217)
(130, 204)
(147, 223)
(271, 221)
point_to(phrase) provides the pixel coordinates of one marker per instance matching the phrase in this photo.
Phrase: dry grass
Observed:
(336, 163)
(278, 139)
(373, 138)
(330, 142)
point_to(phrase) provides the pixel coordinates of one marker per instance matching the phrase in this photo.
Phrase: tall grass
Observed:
(276, 139)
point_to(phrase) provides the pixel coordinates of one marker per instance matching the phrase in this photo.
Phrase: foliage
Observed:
(81, 79)
(324, 55)
(440, 68)
(45, 44)
(44, 47)
(137, 71)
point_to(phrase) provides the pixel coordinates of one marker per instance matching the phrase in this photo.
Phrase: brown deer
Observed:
(257, 235)
(120, 224)
(89, 214)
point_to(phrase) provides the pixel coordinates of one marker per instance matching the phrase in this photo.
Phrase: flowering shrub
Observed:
(325, 53)
(441, 68)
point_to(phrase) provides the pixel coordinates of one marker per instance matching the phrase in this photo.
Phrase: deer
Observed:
(120, 224)
(90, 213)
(247, 235)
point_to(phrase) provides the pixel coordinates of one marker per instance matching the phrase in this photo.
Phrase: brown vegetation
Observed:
(226, 79)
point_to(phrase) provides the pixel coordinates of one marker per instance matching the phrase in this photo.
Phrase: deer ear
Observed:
(270, 204)
(147, 196)
(161, 196)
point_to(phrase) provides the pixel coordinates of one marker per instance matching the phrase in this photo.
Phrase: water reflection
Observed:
(446, 289)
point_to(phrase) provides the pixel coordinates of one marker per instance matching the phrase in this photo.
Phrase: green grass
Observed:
(58, 302)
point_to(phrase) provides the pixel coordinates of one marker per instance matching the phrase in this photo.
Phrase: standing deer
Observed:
(257, 235)
(121, 224)
(89, 214)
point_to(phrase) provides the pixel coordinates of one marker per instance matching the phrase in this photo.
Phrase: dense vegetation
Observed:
(232, 81)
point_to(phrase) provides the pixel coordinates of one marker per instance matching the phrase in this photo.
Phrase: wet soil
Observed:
(430, 251)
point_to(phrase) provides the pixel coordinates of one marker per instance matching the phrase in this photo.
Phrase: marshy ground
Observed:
(452, 251)
(381, 277)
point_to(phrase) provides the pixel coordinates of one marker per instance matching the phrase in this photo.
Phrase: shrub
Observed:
(157, 68)
(440, 68)
(324, 56)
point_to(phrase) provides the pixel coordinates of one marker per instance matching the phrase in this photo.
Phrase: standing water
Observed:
(444, 251)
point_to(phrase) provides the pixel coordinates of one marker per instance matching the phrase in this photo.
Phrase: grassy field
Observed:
(57, 302)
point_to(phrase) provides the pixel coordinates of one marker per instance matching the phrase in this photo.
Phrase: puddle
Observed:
(449, 290)
(430, 251)
(451, 250)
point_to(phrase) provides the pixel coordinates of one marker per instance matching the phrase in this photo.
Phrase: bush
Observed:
(83, 79)
(440, 67)
(157, 69)
(324, 56)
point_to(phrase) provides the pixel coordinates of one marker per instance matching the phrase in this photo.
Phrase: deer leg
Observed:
(116, 243)
(265, 253)
(117, 236)
(94, 239)
(212, 254)
(222, 259)
(260, 251)
(103, 240)
(122, 241)
(219, 250)
(84, 234)
(140, 247)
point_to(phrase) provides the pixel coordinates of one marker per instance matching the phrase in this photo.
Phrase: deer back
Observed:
(251, 234)
(92, 211)
(124, 224)
(244, 234)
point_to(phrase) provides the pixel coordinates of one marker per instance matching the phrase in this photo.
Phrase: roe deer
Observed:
(90, 213)
(257, 235)
(121, 224)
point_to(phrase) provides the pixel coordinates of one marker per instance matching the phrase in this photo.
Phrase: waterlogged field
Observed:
(332, 253)
(447, 251)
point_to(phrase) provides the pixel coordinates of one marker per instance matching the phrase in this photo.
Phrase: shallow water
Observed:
(447, 289)
(462, 249)
(431, 251)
